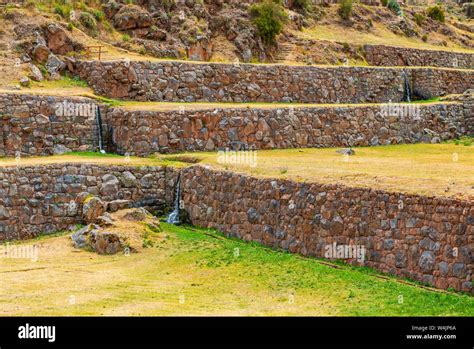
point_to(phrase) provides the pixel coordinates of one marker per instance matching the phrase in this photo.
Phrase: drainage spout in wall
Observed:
(98, 119)
(173, 217)
(407, 89)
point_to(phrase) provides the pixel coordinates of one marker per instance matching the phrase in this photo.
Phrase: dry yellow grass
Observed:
(331, 29)
(192, 271)
(85, 158)
(427, 169)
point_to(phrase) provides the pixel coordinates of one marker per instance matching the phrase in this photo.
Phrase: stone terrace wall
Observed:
(422, 238)
(31, 125)
(189, 82)
(40, 199)
(146, 132)
(389, 56)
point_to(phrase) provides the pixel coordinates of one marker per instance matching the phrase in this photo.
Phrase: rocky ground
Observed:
(125, 230)
(41, 41)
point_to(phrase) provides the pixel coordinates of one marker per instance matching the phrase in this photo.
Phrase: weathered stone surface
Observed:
(138, 214)
(40, 53)
(110, 186)
(41, 125)
(80, 237)
(146, 132)
(282, 127)
(306, 217)
(102, 242)
(61, 149)
(54, 65)
(169, 81)
(132, 17)
(57, 193)
(391, 56)
(92, 209)
(115, 205)
(346, 151)
(36, 74)
(58, 39)
(427, 261)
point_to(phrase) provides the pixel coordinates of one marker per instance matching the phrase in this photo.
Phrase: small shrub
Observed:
(108, 26)
(98, 14)
(394, 7)
(88, 20)
(419, 19)
(269, 17)
(436, 13)
(345, 9)
(125, 37)
(304, 5)
(63, 10)
(30, 4)
(70, 27)
(424, 38)
(168, 4)
(384, 2)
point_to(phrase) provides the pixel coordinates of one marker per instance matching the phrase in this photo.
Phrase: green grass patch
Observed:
(193, 271)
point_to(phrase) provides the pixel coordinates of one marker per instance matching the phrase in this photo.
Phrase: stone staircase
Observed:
(284, 52)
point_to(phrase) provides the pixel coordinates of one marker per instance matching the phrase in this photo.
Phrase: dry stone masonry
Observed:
(46, 125)
(146, 132)
(214, 82)
(429, 239)
(390, 56)
(41, 199)
(41, 125)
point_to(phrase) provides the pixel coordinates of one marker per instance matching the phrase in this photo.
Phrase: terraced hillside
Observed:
(359, 152)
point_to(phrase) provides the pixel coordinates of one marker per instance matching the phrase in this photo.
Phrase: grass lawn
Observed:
(198, 272)
(89, 158)
(428, 169)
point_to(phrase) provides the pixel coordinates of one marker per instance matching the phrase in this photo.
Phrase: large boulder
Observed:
(137, 214)
(58, 40)
(132, 17)
(93, 207)
(110, 185)
(35, 73)
(40, 53)
(93, 238)
(79, 238)
(54, 65)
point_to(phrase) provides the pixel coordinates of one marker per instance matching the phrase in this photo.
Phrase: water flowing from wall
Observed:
(173, 217)
(407, 90)
(99, 130)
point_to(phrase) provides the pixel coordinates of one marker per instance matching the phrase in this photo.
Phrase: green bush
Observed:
(125, 37)
(98, 14)
(384, 2)
(394, 7)
(70, 27)
(88, 20)
(345, 9)
(269, 17)
(436, 13)
(419, 18)
(424, 38)
(63, 10)
(302, 4)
